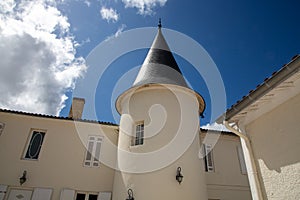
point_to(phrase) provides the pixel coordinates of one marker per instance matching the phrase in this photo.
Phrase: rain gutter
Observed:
(253, 177)
(269, 83)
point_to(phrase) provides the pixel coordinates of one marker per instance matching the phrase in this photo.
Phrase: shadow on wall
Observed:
(275, 136)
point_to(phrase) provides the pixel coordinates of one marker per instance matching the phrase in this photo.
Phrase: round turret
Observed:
(159, 133)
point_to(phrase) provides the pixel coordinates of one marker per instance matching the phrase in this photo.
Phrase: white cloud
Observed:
(109, 14)
(117, 33)
(87, 3)
(38, 63)
(145, 7)
(120, 30)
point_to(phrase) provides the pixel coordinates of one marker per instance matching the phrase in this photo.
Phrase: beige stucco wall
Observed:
(226, 182)
(276, 145)
(60, 163)
(171, 140)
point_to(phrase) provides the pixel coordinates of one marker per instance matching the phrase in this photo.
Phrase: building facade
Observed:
(62, 169)
(157, 152)
(225, 169)
(267, 121)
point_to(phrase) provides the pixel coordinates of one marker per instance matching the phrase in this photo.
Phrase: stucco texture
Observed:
(276, 145)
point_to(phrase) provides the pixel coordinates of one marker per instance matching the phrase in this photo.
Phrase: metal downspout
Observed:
(255, 186)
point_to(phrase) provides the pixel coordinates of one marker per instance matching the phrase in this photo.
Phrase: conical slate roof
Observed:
(160, 66)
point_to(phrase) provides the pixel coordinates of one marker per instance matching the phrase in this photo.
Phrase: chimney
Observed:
(76, 108)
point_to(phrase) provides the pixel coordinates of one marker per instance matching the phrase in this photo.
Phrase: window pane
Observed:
(205, 159)
(35, 145)
(139, 133)
(209, 165)
(80, 196)
(95, 164)
(93, 197)
(209, 160)
(97, 152)
(93, 152)
(89, 151)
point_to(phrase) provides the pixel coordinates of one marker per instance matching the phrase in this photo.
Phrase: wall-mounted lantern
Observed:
(23, 177)
(130, 194)
(179, 176)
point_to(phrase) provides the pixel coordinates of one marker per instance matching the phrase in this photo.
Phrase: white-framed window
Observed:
(34, 145)
(138, 139)
(92, 156)
(86, 196)
(69, 194)
(208, 159)
(241, 160)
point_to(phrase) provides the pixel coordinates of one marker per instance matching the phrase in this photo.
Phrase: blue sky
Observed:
(248, 41)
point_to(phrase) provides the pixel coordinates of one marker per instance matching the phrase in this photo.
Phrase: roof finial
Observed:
(159, 23)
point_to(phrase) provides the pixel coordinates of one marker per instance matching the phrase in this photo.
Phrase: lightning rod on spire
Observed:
(159, 23)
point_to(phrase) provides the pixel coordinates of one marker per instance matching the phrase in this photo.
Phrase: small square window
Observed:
(35, 144)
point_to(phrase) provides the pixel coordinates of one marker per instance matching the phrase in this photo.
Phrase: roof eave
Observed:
(270, 83)
(56, 117)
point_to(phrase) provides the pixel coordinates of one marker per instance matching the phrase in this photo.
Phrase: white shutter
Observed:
(104, 196)
(41, 194)
(242, 160)
(67, 194)
(3, 189)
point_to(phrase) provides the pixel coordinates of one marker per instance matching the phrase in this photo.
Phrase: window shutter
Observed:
(242, 160)
(67, 194)
(3, 189)
(41, 194)
(104, 196)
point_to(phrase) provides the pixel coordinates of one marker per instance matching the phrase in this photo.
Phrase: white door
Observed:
(18, 194)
